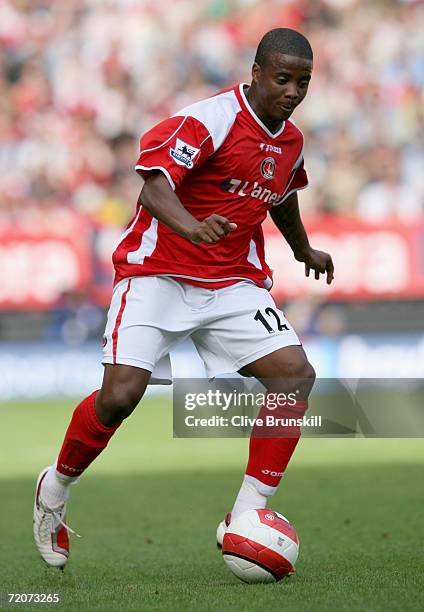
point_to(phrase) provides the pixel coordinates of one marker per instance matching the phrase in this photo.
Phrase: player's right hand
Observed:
(211, 229)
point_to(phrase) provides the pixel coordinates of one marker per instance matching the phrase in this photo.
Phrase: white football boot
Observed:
(50, 528)
(222, 528)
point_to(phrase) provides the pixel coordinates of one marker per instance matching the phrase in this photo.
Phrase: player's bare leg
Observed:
(93, 423)
(285, 370)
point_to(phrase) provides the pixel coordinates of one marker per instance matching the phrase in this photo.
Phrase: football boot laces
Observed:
(55, 515)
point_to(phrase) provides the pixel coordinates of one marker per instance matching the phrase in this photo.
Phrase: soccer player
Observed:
(191, 263)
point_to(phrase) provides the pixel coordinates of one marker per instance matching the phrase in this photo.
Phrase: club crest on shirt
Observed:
(183, 154)
(268, 167)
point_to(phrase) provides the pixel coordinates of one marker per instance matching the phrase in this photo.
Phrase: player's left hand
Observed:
(320, 262)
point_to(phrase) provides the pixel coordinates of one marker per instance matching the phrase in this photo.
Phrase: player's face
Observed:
(280, 85)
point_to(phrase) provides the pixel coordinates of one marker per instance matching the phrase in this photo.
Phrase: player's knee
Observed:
(118, 402)
(299, 373)
(305, 373)
(308, 372)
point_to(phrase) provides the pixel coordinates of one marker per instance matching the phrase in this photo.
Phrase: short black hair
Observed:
(283, 40)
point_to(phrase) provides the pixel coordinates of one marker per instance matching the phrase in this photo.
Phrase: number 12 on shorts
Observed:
(273, 316)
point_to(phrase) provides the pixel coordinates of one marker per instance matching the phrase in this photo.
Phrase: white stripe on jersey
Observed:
(253, 255)
(128, 230)
(147, 246)
(254, 259)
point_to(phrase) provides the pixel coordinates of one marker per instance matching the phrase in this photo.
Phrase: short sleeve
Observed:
(298, 180)
(176, 147)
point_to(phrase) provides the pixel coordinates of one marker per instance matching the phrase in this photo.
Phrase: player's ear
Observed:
(256, 72)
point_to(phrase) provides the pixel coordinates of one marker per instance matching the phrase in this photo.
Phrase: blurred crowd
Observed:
(81, 80)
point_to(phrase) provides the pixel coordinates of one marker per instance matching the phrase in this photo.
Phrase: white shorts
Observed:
(230, 327)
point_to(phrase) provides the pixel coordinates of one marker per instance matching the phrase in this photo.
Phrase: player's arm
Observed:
(287, 218)
(160, 200)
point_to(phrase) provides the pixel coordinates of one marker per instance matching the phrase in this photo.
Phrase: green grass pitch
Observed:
(148, 509)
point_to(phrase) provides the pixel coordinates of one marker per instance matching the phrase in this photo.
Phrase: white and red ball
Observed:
(260, 546)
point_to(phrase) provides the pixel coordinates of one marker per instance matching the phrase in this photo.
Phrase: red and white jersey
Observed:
(220, 158)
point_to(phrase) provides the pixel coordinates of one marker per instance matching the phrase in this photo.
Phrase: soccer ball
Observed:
(260, 546)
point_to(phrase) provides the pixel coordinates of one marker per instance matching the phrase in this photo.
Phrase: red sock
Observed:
(85, 439)
(269, 456)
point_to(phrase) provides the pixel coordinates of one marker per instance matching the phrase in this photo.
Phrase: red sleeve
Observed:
(175, 147)
(298, 180)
